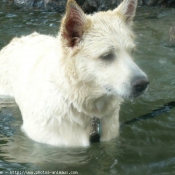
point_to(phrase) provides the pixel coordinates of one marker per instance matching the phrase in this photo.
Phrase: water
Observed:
(143, 148)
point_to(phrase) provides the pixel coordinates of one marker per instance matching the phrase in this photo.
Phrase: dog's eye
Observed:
(108, 56)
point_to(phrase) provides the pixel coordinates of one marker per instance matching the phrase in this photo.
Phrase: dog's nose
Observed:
(139, 85)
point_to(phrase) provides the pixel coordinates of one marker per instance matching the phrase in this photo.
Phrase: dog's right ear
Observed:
(127, 10)
(73, 24)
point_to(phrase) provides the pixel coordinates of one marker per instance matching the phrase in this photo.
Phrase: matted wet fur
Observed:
(61, 83)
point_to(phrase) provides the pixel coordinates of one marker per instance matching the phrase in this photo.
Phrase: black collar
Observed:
(96, 132)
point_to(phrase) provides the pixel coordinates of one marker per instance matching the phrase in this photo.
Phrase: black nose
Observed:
(139, 85)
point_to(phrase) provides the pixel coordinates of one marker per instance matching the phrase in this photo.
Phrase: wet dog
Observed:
(61, 83)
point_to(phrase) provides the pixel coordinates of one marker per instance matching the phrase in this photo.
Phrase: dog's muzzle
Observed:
(139, 85)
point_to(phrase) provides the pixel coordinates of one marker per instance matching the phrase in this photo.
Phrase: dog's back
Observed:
(25, 57)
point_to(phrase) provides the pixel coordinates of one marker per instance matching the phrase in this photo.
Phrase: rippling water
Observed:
(143, 148)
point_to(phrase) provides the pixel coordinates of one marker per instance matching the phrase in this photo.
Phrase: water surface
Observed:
(143, 148)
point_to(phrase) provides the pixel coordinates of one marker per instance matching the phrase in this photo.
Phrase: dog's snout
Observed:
(139, 85)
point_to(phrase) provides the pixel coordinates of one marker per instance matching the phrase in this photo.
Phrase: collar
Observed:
(96, 130)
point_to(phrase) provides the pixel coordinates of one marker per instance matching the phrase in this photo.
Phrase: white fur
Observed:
(59, 89)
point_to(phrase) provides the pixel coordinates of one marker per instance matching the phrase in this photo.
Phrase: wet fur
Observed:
(61, 83)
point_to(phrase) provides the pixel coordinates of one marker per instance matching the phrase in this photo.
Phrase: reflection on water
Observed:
(16, 147)
(145, 147)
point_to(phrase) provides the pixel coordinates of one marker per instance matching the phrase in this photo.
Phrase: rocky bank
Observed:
(88, 6)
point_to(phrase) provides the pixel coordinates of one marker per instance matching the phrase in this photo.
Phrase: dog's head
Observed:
(99, 48)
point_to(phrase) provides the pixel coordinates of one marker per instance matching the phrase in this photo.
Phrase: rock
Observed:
(55, 5)
(29, 4)
(165, 3)
(89, 6)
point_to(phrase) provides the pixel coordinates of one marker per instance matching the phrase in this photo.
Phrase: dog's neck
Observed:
(85, 96)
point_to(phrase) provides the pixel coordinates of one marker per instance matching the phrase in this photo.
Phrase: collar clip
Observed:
(96, 130)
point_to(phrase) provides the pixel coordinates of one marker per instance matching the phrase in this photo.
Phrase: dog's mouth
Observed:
(135, 95)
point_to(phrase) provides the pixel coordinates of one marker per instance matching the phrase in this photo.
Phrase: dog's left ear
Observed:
(127, 10)
(73, 24)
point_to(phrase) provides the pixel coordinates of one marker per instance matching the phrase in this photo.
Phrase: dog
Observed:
(61, 83)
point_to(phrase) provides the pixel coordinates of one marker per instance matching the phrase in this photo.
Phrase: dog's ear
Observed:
(127, 10)
(73, 24)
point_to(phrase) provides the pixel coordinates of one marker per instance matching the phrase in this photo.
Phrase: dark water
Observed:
(143, 148)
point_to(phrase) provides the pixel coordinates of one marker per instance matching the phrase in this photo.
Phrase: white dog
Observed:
(61, 83)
